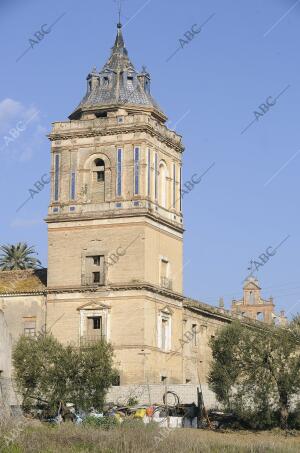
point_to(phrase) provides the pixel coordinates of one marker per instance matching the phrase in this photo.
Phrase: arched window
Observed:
(98, 192)
(174, 186)
(100, 169)
(119, 172)
(251, 298)
(180, 189)
(260, 316)
(73, 186)
(56, 176)
(162, 184)
(149, 173)
(136, 158)
(155, 177)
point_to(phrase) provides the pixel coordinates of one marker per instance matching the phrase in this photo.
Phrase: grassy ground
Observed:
(35, 438)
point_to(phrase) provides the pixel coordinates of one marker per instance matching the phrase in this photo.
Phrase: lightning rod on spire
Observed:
(119, 6)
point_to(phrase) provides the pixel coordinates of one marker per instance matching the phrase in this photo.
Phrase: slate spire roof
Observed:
(118, 84)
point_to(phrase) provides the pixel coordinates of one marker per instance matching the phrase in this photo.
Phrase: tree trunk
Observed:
(284, 410)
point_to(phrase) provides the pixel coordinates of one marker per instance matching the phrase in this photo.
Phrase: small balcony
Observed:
(90, 340)
(166, 282)
(90, 280)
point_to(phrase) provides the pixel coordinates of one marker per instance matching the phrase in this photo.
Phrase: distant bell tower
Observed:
(115, 224)
(253, 305)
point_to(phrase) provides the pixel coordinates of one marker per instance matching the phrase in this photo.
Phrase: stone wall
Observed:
(5, 363)
(153, 394)
(5, 348)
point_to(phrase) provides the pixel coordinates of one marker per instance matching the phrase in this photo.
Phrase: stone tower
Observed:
(115, 225)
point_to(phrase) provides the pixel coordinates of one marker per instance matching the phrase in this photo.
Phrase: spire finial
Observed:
(119, 6)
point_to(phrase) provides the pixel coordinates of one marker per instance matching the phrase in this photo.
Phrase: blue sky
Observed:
(244, 56)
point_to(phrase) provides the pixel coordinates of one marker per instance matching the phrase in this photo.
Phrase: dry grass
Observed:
(36, 438)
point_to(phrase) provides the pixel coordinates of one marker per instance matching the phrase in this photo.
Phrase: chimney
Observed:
(144, 79)
(92, 80)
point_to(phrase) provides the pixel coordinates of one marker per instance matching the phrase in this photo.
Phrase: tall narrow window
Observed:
(94, 329)
(98, 181)
(164, 334)
(194, 332)
(136, 170)
(180, 184)
(119, 172)
(155, 176)
(97, 323)
(174, 186)
(164, 268)
(149, 173)
(73, 186)
(162, 184)
(56, 177)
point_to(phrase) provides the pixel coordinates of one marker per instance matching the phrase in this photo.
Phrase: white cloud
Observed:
(21, 131)
(9, 110)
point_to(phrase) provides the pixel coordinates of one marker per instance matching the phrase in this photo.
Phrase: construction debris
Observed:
(170, 414)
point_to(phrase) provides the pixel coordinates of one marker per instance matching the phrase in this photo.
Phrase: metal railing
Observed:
(89, 340)
(89, 281)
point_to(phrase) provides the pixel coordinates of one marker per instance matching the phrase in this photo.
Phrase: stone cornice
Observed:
(107, 215)
(24, 293)
(137, 286)
(115, 130)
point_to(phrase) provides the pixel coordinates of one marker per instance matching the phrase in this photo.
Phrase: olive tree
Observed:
(256, 370)
(49, 371)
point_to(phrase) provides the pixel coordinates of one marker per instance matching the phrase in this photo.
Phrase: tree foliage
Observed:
(256, 372)
(18, 257)
(47, 370)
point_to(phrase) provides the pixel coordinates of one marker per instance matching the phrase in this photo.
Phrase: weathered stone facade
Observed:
(5, 363)
(115, 241)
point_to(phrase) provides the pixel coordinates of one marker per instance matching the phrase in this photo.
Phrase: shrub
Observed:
(101, 422)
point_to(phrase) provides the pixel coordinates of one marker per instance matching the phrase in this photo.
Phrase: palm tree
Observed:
(19, 256)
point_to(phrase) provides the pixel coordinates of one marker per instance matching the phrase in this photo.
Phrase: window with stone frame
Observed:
(29, 327)
(94, 324)
(94, 270)
(164, 331)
